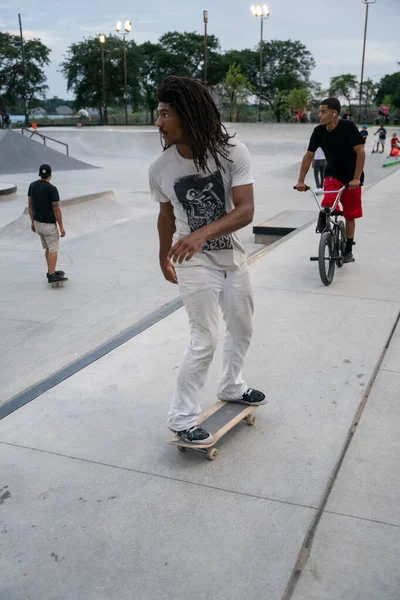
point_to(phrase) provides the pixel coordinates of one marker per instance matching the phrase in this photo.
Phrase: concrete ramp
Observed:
(20, 154)
(81, 216)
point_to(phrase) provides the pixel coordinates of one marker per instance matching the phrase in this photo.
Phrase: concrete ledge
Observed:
(109, 194)
(7, 191)
(282, 224)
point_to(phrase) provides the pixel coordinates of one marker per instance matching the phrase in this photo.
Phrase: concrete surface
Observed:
(95, 504)
(114, 279)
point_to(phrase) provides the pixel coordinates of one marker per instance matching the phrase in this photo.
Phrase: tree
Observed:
(82, 69)
(149, 75)
(389, 85)
(183, 54)
(298, 99)
(286, 65)
(345, 86)
(368, 94)
(236, 88)
(12, 87)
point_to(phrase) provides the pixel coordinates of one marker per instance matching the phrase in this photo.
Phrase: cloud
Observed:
(349, 53)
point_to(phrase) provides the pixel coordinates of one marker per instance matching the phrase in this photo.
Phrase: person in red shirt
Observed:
(395, 146)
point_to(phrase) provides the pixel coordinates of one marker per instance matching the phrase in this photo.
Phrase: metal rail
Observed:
(44, 138)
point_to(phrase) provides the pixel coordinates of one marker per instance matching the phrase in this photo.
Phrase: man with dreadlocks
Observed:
(204, 186)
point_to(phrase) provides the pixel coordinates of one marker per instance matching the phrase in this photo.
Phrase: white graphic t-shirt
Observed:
(202, 198)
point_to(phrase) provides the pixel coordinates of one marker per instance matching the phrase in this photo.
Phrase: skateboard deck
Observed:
(218, 420)
(59, 284)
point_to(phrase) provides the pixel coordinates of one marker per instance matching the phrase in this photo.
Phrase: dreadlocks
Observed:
(200, 119)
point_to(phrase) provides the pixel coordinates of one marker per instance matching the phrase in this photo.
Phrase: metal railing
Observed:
(44, 138)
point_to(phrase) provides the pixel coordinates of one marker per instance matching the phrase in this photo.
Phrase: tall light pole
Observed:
(127, 28)
(367, 3)
(24, 72)
(205, 19)
(102, 40)
(262, 13)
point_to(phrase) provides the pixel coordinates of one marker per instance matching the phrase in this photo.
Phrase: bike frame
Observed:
(327, 209)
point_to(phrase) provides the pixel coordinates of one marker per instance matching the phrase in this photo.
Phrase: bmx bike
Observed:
(333, 236)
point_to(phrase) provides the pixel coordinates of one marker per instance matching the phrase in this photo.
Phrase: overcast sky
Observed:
(331, 29)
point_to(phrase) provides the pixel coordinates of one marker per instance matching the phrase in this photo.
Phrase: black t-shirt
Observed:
(382, 133)
(43, 194)
(338, 146)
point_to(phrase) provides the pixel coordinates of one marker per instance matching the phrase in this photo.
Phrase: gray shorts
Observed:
(48, 233)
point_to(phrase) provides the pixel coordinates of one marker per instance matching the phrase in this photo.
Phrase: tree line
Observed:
(235, 74)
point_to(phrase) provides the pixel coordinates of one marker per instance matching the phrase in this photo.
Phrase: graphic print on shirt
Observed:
(203, 199)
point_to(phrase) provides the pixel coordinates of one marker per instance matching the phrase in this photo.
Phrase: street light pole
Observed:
(102, 39)
(24, 71)
(205, 18)
(127, 28)
(367, 3)
(262, 13)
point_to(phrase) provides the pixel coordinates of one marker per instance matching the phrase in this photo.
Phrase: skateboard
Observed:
(58, 284)
(218, 420)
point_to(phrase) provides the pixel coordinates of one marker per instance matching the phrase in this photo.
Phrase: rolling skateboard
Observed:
(218, 420)
(59, 283)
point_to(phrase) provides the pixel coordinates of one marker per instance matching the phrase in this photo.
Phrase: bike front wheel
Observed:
(326, 261)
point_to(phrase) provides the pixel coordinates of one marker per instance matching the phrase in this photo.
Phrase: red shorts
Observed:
(350, 199)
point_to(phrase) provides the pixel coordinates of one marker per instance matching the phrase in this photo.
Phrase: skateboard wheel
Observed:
(181, 449)
(251, 419)
(212, 454)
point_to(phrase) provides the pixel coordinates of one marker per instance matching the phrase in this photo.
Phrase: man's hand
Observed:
(187, 246)
(301, 186)
(169, 272)
(33, 228)
(62, 231)
(354, 184)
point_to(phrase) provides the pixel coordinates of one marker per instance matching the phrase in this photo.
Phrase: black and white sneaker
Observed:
(58, 273)
(195, 435)
(252, 397)
(348, 257)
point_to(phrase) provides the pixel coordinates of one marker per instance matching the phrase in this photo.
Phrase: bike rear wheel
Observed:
(326, 262)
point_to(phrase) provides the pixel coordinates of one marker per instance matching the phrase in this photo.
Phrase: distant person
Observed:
(307, 110)
(204, 187)
(394, 146)
(381, 133)
(45, 214)
(364, 132)
(348, 116)
(384, 112)
(343, 146)
(319, 165)
(6, 120)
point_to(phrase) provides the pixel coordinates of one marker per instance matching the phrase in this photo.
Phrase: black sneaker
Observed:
(54, 278)
(348, 258)
(195, 435)
(252, 397)
(59, 273)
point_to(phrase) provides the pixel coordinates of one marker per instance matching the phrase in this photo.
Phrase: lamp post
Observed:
(205, 19)
(127, 28)
(367, 3)
(24, 71)
(102, 40)
(262, 13)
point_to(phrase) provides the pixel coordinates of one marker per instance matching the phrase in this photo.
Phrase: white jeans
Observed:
(203, 291)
